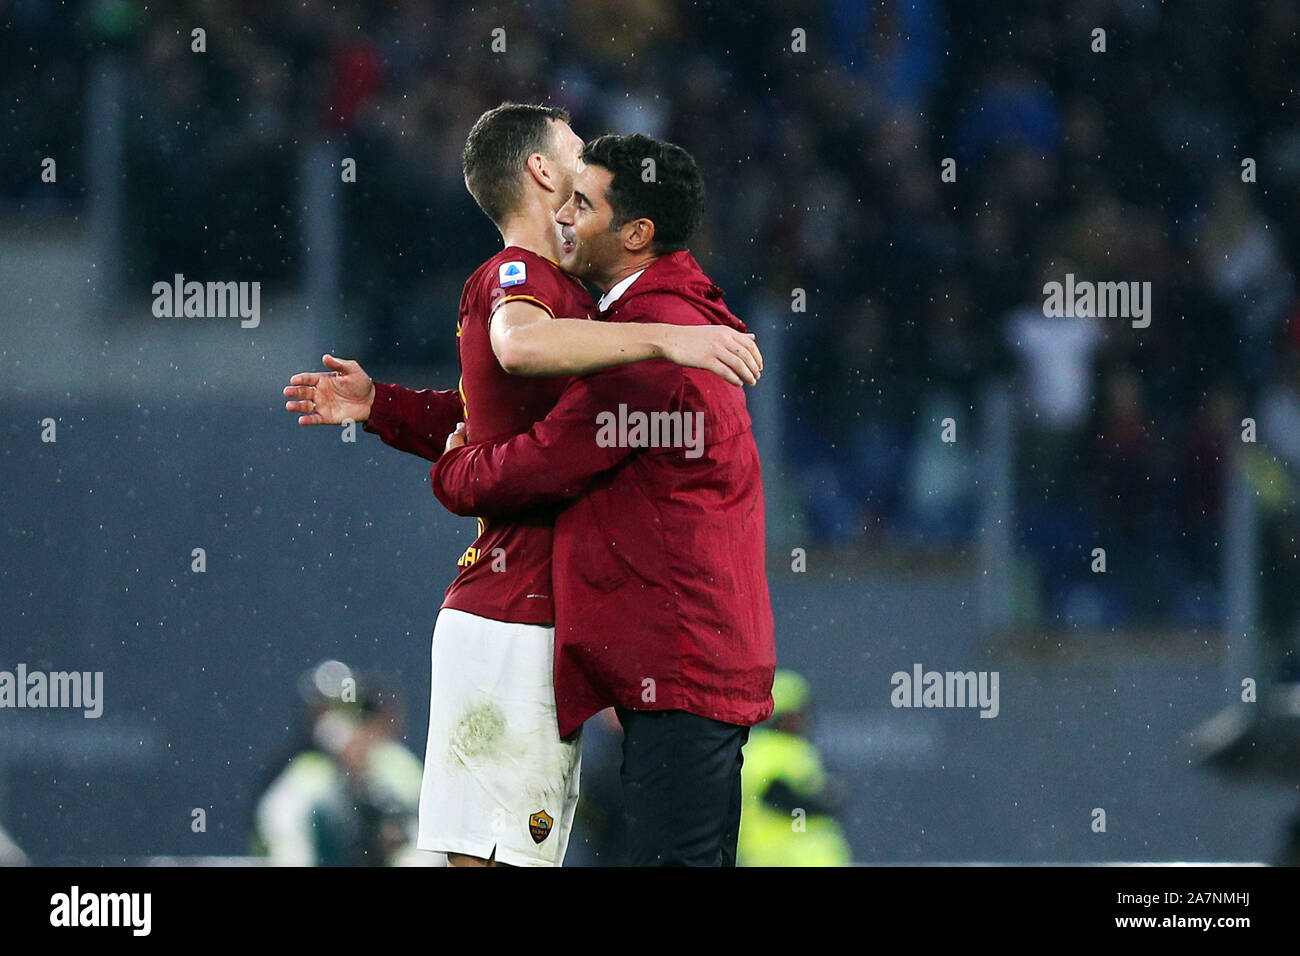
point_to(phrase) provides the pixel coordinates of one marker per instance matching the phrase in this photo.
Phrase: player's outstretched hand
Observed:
(718, 349)
(345, 393)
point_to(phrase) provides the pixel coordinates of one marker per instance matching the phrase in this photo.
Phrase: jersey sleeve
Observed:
(417, 422)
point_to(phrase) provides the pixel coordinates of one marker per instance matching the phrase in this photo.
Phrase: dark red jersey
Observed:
(506, 574)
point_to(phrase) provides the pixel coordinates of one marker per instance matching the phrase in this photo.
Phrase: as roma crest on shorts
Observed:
(539, 825)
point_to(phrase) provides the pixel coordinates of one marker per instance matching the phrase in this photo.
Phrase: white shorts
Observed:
(498, 781)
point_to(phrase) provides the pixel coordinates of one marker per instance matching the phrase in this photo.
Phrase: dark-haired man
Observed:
(662, 607)
(499, 784)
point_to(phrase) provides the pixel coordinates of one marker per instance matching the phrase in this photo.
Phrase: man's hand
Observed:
(714, 348)
(456, 438)
(330, 398)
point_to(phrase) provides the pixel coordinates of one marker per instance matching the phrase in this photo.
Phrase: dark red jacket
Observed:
(659, 579)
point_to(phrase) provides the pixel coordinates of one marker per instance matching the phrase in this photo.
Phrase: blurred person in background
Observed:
(789, 801)
(1056, 357)
(349, 798)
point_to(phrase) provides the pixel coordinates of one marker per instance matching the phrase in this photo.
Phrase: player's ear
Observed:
(540, 170)
(639, 237)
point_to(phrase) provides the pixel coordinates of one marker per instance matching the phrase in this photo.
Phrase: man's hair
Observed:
(669, 190)
(497, 149)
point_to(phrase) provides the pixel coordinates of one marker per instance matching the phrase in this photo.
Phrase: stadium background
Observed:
(823, 170)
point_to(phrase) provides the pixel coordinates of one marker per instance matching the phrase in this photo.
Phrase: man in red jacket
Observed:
(661, 598)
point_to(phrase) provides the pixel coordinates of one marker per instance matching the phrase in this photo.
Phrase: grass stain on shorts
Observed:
(479, 731)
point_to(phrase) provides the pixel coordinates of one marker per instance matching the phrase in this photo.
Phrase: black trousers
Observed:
(681, 788)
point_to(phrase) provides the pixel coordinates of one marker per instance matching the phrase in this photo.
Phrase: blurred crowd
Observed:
(823, 165)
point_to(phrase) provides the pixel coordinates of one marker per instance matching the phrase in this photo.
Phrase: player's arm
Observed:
(412, 421)
(558, 457)
(527, 341)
